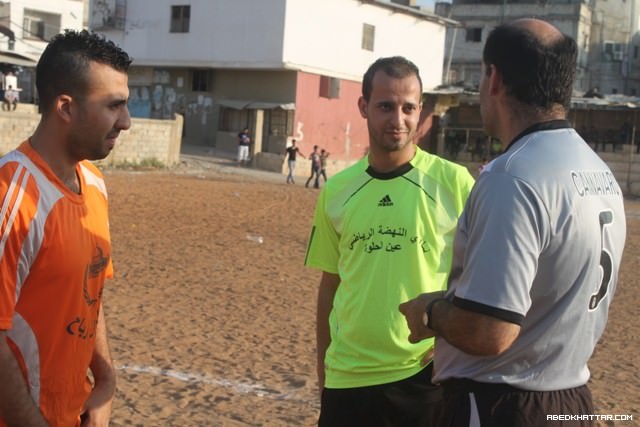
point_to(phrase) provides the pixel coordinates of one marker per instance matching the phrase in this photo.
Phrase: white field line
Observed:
(237, 386)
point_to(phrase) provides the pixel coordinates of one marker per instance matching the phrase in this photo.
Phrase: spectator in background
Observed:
(324, 154)
(11, 99)
(315, 168)
(244, 141)
(291, 154)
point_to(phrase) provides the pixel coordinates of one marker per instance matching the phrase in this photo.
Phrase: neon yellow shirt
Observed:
(389, 237)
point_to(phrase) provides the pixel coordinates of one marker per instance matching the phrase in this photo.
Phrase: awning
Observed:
(254, 105)
(15, 59)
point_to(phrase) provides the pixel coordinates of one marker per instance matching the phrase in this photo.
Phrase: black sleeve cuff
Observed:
(506, 315)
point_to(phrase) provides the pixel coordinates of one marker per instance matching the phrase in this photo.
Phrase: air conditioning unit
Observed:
(618, 56)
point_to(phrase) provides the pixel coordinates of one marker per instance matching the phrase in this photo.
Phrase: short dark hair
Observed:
(394, 66)
(536, 73)
(62, 68)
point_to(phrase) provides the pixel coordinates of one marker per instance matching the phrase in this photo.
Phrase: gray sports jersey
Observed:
(538, 244)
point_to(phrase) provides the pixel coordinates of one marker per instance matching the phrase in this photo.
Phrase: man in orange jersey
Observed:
(55, 250)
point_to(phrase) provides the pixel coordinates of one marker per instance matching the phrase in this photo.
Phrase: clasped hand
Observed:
(413, 311)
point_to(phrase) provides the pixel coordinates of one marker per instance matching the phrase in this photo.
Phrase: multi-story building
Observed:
(605, 31)
(25, 26)
(284, 68)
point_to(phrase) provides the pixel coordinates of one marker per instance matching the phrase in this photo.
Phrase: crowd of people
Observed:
(441, 301)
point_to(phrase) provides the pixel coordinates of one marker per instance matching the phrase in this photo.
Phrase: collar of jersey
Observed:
(399, 171)
(550, 125)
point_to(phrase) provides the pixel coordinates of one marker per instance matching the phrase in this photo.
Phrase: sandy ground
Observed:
(210, 327)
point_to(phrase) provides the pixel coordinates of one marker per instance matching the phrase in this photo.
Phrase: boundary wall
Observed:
(148, 141)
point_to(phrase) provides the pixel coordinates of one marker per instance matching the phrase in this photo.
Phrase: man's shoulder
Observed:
(434, 165)
(349, 174)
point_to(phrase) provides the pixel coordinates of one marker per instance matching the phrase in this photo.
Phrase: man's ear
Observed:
(362, 106)
(63, 107)
(495, 79)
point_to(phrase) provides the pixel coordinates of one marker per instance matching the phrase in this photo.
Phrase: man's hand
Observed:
(97, 408)
(413, 311)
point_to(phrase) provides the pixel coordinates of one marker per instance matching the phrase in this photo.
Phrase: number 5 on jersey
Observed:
(606, 264)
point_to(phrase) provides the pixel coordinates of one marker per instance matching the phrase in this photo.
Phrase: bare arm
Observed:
(17, 408)
(97, 408)
(328, 285)
(474, 333)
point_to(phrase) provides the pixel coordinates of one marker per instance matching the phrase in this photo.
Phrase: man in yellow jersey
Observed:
(55, 250)
(382, 232)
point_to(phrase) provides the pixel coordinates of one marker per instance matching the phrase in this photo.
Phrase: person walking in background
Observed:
(537, 250)
(324, 155)
(244, 142)
(315, 168)
(56, 253)
(291, 152)
(383, 229)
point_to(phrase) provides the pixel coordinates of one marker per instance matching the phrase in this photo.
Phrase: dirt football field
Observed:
(211, 313)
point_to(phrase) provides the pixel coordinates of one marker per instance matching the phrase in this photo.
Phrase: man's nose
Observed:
(397, 117)
(124, 121)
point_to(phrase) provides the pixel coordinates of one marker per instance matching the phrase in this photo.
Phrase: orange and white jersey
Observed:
(55, 254)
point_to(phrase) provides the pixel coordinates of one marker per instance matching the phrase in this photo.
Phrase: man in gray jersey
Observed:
(537, 250)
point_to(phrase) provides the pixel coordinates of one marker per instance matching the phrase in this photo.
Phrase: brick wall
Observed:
(151, 141)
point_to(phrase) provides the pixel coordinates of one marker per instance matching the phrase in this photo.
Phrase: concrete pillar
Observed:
(258, 124)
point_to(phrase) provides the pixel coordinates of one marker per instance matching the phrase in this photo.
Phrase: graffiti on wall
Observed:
(153, 96)
(299, 133)
(139, 102)
(108, 14)
(200, 108)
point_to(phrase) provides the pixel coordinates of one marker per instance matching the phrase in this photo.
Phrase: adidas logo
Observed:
(385, 201)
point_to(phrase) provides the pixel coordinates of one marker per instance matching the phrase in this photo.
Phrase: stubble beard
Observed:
(393, 145)
(96, 151)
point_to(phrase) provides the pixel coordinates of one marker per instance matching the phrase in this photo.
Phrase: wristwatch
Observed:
(426, 316)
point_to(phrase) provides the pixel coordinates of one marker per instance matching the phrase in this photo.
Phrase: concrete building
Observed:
(605, 30)
(287, 69)
(25, 26)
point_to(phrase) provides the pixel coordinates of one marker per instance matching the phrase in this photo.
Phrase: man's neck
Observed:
(387, 161)
(56, 159)
(515, 124)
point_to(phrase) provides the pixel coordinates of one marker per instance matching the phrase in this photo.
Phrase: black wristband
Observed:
(429, 311)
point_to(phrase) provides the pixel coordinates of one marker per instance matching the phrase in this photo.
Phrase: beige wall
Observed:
(148, 140)
(258, 85)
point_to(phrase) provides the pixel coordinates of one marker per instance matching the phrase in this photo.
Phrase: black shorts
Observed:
(469, 403)
(411, 402)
